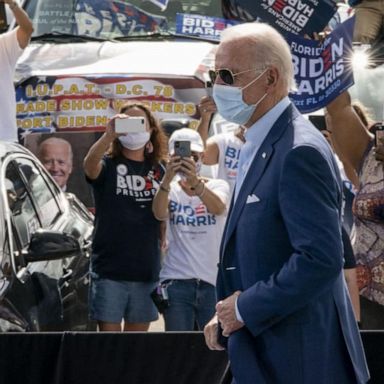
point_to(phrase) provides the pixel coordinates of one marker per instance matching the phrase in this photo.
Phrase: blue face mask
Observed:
(230, 104)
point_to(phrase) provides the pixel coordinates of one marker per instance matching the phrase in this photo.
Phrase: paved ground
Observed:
(157, 326)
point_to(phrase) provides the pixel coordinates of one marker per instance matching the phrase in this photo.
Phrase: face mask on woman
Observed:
(134, 140)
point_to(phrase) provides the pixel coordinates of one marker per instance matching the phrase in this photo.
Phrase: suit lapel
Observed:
(256, 170)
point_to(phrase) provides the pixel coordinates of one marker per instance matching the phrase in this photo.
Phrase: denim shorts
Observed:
(111, 301)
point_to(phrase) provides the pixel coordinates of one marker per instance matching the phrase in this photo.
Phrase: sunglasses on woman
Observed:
(226, 75)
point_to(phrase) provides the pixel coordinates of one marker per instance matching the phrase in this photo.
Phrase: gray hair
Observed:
(55, 141)
(267, 46)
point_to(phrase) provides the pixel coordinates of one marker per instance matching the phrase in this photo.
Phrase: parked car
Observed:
(45, 238)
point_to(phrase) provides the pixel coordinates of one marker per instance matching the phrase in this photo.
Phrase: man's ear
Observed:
(272, 76)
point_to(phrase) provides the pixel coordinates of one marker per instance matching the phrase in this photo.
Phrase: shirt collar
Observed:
(257, 132)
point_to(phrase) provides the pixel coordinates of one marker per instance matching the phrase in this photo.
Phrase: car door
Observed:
(32, 204)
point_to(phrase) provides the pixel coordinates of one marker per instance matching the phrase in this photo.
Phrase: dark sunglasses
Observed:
(195, 157)
(226, 75)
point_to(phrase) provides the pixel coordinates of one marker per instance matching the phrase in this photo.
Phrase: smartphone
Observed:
(379, 135)
(209, 88)
(318, 121)
(3, 17)
(183, 148)
(130, 124)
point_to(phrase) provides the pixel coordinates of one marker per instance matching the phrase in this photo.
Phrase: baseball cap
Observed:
(186, 134)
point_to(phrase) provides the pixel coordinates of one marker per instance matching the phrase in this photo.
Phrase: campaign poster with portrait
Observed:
(68, 170)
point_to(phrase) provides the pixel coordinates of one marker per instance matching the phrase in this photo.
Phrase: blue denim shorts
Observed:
(111, 301)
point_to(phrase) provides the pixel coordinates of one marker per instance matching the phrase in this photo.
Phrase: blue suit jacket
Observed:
(282, 247)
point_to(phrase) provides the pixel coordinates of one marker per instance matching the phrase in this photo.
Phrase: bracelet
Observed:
(194, 186)
(162, 188)
(13, 5)
(202, 192)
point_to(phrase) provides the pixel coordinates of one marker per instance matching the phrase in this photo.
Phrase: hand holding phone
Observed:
(130, 124)
(318, 121)
(379, 142)
(209, 88)
(183, 148)
(379, 135)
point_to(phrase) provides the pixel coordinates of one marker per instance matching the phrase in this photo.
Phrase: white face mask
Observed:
(230, 103)
(134, 140)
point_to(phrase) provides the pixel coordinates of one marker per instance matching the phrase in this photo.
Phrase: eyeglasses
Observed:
(195, 157)
(226, 75)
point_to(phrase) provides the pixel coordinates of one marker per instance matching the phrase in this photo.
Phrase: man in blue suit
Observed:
(284, 310)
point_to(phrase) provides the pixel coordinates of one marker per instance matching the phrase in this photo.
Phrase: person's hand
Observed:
(379, 150)
(110, 128)
(11, 3)
(211, 333)
(173, 166)
(226, 314)
(188, 168)
(321, 36)
(206, 107)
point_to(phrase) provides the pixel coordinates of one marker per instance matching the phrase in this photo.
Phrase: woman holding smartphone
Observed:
(125, 171)
(194, 208)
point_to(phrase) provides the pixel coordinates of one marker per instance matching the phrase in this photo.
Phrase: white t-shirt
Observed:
(229, 151)
(193, 235)
(10, 51)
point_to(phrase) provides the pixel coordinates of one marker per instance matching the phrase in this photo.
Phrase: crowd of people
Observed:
(256, 256)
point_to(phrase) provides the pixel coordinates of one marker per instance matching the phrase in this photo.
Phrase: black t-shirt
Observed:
(126, 234)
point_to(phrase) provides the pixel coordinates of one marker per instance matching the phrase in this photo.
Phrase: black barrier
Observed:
(109, 358)
(374, 351)
(130, 358)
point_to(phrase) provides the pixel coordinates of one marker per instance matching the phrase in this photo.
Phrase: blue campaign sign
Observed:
(94, 17)
(203, 26)
(294, 16)
(322, 71)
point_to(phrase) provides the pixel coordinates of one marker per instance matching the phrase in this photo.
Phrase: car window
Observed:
(40, 192)
(30, 200)
(110, 19)
(24, 217)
